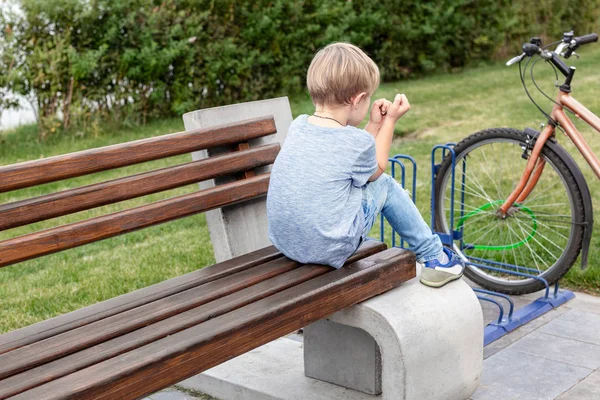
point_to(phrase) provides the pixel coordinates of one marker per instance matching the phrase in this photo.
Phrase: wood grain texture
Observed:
(32, 173)
(73, 200)
(93, 355)
(193, 350)
(79, 233)
(63, 323)
(100, 331)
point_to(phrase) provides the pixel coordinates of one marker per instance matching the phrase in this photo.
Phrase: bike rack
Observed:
(506, 322)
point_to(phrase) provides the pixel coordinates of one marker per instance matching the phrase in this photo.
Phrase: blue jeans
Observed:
(385, 195)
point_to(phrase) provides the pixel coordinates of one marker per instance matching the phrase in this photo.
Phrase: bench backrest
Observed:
(241, 163)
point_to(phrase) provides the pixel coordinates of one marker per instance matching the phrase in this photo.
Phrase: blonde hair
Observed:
(340, 71)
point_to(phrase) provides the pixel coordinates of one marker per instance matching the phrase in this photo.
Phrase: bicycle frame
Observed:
(535, 165)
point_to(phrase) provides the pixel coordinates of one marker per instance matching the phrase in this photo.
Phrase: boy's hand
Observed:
(398, 107)
(379, 110)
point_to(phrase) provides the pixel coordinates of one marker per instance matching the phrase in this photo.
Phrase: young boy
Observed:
(328, 183)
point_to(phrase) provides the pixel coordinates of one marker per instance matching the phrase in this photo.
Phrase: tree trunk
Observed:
(67, 105)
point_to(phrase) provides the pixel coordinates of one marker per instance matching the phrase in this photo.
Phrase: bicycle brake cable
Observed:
(552, 44)
(540, 90)
(521, 73)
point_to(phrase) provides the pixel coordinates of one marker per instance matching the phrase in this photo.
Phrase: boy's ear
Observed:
(358, 98)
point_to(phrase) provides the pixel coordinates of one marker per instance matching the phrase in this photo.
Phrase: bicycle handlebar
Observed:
(591, 38)
(569, 42)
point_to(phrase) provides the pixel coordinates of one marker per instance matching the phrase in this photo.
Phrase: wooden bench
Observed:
(135, 344)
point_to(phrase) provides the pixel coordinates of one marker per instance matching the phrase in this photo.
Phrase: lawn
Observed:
(445, 108)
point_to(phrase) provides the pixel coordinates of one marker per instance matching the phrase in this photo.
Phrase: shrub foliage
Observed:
(80, 62)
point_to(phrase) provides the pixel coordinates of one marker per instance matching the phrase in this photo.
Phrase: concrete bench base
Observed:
(412, 342)
(429, 345)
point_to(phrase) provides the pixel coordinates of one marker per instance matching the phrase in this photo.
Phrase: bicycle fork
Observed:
(531, 175)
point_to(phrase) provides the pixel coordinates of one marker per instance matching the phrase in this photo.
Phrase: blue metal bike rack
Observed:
(507, 321)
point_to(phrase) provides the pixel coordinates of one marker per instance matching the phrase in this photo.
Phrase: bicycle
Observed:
(530, 221)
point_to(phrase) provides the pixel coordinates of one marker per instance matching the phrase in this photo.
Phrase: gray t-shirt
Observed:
(314, 203)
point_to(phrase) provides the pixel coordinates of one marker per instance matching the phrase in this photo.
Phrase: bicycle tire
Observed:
(504, 138)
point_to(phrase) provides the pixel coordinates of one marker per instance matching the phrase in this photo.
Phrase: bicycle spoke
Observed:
(483, 192)
(537, 196)
(541, 245)
(478, 194)
(489, 176)
(515, 259)
(472, 208)
(487, 249)
(534, 255)
(478, 230)
(553, 230)
(567, 225)
(548, 240)
(547, 205)
(475, 192)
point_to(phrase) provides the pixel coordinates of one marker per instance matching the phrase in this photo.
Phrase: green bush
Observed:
(85, 63)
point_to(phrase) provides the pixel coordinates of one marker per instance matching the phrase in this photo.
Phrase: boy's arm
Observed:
(383, 143)
(373, 129)
(383, 140)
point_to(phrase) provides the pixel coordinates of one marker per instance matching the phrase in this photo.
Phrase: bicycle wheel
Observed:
(541, 236)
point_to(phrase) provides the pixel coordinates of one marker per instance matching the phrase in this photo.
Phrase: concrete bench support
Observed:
(410, 343)
(242, 228)
(416, 343)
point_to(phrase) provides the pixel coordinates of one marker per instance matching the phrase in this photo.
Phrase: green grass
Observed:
(445, 108)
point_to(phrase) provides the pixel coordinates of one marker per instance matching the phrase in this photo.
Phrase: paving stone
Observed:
(297, 336)
(513, 375)
(560, 349)
(171, 394)
(587, 389)
(271, 372)
(575, 324)
(520, 332)
(585, 302)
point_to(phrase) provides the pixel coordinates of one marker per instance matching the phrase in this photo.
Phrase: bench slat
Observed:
(86, 197)
(179, 356)
(62, 323)
(79, 233)
(105, 329)
(77, 361)
(32, 173)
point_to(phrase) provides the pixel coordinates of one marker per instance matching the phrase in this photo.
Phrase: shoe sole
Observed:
(442, 283)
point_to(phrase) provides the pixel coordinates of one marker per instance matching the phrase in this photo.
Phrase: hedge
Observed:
(85, 62)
